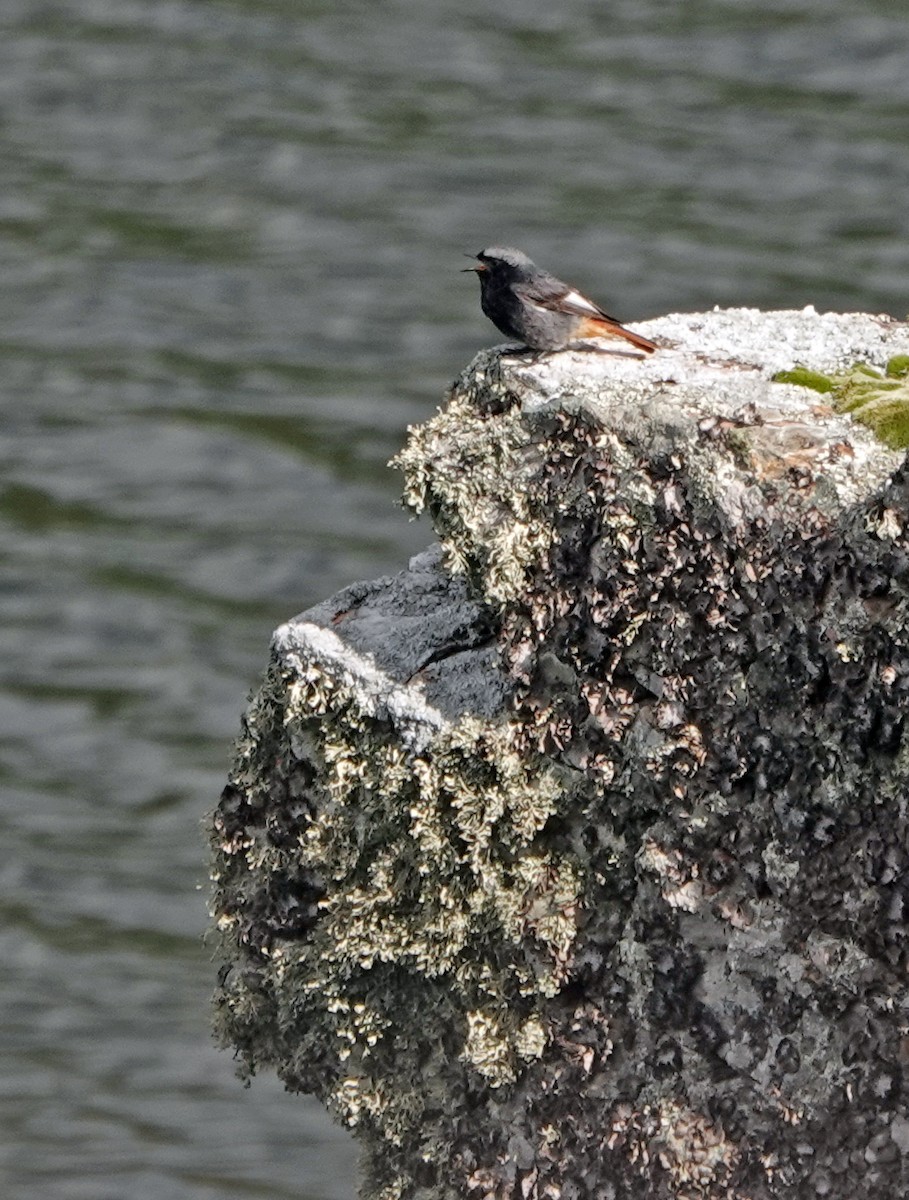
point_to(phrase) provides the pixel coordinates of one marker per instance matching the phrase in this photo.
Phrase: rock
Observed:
(572, 860)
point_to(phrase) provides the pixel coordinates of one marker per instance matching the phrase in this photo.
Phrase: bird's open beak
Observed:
(478, 267)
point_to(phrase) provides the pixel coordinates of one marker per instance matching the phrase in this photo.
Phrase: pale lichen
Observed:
(421, 866)
(485, 512)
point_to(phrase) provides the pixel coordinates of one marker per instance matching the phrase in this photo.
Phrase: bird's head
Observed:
(501, 263)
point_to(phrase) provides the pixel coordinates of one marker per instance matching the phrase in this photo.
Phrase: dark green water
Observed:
(229, 240)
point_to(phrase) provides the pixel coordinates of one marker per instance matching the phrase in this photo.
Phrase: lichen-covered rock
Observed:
(573, 862)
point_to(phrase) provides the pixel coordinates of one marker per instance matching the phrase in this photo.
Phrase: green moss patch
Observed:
(805, 378)
(879, 400)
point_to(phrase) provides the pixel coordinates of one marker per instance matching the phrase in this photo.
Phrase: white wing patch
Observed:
(580, 301)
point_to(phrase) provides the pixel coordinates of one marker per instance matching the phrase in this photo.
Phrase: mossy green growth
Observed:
(879, 400)
(805, 378)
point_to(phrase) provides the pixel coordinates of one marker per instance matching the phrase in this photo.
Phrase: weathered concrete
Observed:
(572, 861)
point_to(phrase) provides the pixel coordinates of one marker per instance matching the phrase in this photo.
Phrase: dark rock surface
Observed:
(577, 867)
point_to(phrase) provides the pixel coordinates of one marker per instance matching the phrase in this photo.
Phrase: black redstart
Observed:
(544, 313)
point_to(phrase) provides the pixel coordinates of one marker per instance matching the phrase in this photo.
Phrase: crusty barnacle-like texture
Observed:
(642, 934)
(391, 920)
(715, 635)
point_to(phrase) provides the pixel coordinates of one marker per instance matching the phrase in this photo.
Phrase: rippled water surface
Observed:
(229, 240)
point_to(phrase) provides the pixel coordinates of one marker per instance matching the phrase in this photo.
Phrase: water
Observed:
(229, 240)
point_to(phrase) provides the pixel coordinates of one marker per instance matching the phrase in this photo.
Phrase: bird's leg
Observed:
(526, 353)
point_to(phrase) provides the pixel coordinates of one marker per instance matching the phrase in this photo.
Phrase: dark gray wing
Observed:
(556, 296)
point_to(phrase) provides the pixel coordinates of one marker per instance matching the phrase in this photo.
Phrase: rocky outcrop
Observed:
(572, 861)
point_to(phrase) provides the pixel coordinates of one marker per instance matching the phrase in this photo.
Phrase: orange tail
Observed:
(593, 327)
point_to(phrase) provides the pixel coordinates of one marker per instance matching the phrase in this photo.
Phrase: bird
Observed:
(526, 302)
